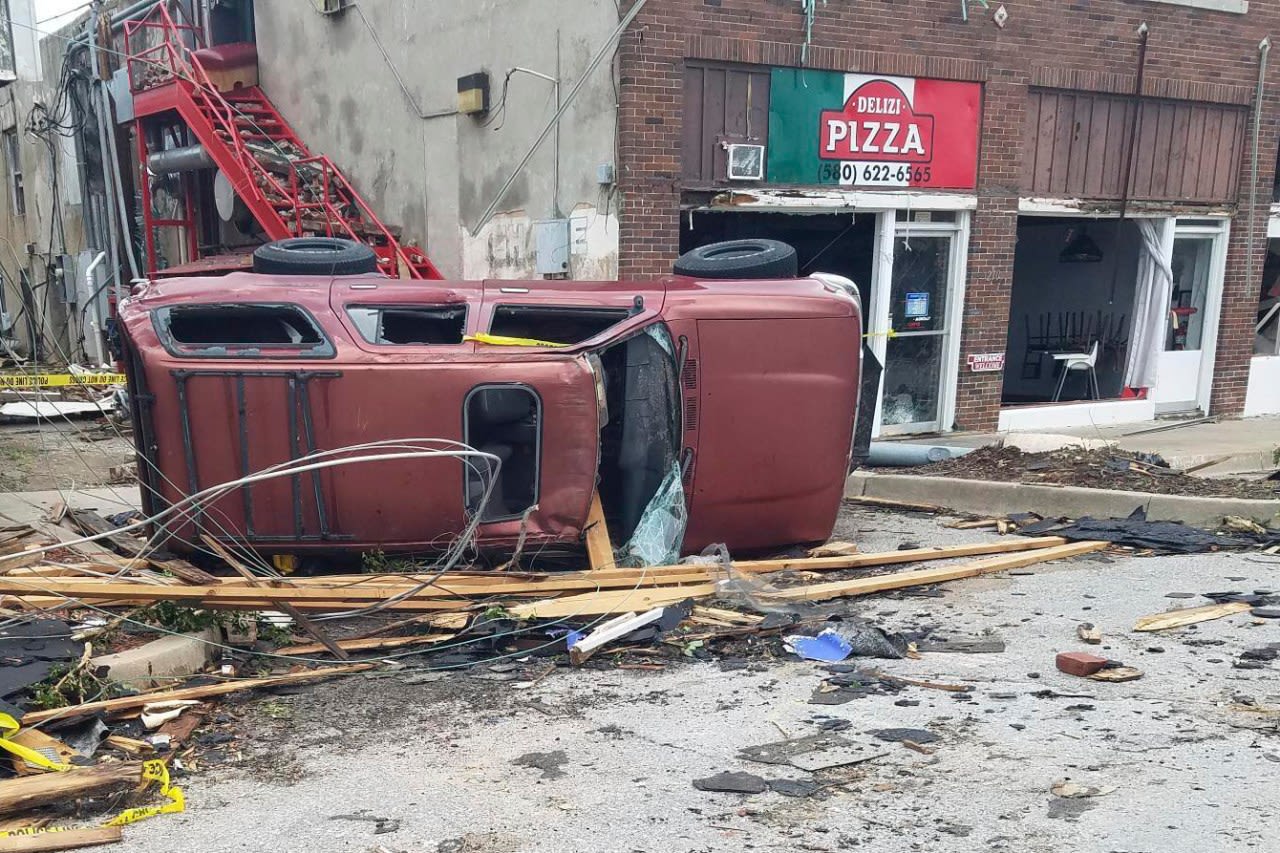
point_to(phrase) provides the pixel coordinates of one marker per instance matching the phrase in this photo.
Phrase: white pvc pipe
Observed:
(93, 340)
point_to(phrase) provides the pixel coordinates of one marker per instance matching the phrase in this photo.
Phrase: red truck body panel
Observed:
(764, 375)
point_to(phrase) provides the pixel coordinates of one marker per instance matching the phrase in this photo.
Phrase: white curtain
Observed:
(1150, 308)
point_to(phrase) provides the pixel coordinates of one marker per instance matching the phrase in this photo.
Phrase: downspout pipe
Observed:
(93, 342)
(113, 235)
(1264, 50)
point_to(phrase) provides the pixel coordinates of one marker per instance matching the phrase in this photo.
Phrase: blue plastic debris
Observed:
(827, 646)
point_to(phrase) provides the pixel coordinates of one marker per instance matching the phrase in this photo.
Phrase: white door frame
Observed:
(888, 229)
(1220, 232)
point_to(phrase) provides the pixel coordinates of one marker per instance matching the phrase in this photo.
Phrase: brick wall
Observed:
(1089, 44)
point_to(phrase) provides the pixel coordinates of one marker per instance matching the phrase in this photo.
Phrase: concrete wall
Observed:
(434, 177)
(52, 225)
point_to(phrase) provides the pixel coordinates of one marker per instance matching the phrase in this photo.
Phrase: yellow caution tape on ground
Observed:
(8, 728)
(153, 771)
(504, 341)
(59, 380)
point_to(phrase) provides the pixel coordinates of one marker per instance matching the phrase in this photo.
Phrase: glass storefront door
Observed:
(914, 318)
(1186, 365)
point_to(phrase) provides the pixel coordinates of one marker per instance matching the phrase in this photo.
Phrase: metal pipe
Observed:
(113, 236)
(193, 158)
(1264, 50)
(555, 140)
(1127, 175)
(893, 454)
(560, 111)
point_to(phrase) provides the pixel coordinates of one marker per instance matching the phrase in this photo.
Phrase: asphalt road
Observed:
(1192, 749)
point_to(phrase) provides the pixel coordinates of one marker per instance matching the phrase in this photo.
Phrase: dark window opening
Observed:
(505, 421)
(247, 328)
(557, 325)
(639, 442)
(409, 324)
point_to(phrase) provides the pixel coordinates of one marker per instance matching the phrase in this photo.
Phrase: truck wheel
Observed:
(314, 256)
(739, 259)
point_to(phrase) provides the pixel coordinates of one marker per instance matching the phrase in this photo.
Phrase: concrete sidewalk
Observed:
(1225, 447)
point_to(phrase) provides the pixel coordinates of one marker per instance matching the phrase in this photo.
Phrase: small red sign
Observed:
(986, 362)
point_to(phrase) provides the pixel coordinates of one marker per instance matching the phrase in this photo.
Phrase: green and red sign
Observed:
(863, 130)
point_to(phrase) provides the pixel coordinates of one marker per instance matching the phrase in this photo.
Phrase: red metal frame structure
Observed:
(294, 193)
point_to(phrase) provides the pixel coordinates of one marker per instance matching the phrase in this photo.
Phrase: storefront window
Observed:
(1191, 263)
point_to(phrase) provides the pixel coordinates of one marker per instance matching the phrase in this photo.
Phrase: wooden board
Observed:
(52, 748)
(131, 703)
(599, 546)
(65, 839)
(922, 577)
(614, 601)
(1189, 616)
(367, 644)
(29, 792)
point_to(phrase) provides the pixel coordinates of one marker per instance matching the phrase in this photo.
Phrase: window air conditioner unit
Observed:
(746, 162)
(331, 7)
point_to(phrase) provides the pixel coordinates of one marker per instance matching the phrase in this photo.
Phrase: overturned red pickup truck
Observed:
(733, 378)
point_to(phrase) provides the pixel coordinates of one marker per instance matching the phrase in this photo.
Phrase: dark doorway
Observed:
(840, 243)
(1072, 303)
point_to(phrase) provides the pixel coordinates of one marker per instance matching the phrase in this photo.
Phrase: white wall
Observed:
(1263, 394)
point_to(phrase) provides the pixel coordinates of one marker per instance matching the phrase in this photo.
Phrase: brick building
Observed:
(1016, 189)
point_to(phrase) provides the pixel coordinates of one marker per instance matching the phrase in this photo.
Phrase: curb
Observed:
(983, 497)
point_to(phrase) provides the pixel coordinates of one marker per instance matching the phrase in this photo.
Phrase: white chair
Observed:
(1078, 361)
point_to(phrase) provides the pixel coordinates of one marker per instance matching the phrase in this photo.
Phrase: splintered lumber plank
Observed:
(922, 577)
(132, 703)
(91, 523)
(448, 621)
(366, 644)
(298, 616)
(614, 601)
(888, 558)
(184, 571)
(62, 839)
(19, 560)
(30, 792)
(599, 546)
(1189, 616)
(892, 504)
(732, 617)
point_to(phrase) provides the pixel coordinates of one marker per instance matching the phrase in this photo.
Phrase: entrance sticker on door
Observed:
(917, 306)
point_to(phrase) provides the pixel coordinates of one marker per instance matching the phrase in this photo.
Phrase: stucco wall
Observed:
(434, 177)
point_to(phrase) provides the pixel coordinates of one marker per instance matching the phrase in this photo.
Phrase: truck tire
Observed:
(314, 256)
(756, 258)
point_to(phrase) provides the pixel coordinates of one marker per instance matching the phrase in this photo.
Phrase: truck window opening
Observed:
(557, 324)
(640, 441)
(214, 325)
(506, 421)
(409, 324)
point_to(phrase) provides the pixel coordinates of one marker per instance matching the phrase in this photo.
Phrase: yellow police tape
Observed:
(59, 380)
(153, 771)
(504, 341)
(8, 728)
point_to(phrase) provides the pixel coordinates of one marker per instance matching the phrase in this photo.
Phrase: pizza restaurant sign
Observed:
(865, 130)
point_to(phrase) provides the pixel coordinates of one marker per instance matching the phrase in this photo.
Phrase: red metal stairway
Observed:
(290, 191)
